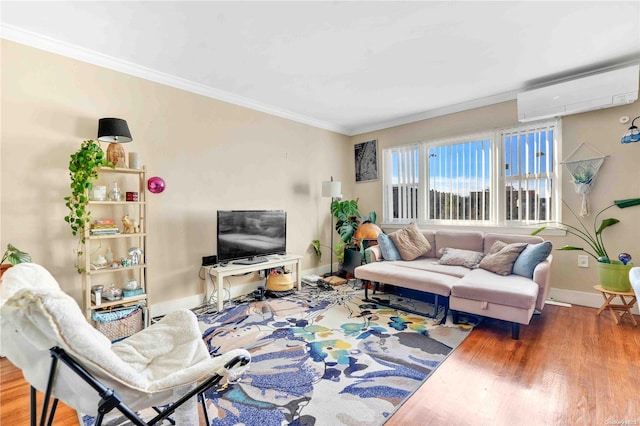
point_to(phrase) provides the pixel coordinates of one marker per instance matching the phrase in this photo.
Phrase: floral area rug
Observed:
(324, 357)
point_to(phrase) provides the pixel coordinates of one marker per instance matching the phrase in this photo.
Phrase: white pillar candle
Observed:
(134, 160)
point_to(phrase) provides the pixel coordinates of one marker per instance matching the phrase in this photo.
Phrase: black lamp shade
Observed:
(113, 130)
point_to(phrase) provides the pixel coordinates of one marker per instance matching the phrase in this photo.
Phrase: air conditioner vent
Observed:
(604, 90)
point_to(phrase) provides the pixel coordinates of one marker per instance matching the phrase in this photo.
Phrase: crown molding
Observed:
(438, 112)
(18, 35)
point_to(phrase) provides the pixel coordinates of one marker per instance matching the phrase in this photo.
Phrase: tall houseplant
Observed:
(610, 269)
(348, 221)
(83, 171)
(349, 218)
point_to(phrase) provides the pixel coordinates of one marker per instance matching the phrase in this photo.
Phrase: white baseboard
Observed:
(592, 300)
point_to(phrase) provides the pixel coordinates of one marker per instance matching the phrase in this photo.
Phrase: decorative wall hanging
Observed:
(366, 157)
(584, 171)
(156, 184)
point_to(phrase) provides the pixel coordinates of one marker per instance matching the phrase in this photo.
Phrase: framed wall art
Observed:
(366, 157)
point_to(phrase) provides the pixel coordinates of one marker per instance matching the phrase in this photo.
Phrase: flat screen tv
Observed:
(246, 236)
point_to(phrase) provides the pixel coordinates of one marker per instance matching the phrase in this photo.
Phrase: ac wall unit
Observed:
(605, 90)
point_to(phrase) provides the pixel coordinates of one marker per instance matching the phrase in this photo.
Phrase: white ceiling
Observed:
(350, 67)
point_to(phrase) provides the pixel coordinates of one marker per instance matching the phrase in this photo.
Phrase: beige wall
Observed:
(212, 155)
(618, 178)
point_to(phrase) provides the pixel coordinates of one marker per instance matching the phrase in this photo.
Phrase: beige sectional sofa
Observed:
(475, 290)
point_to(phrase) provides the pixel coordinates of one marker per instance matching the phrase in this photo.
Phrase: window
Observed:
(459, 180)
(500, 178)
(529, 173)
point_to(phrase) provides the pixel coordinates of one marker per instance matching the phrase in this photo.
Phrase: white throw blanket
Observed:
(634, 278)
(144, 369)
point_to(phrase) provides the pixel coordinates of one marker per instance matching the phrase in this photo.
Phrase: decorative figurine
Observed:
(135, 253)
(129, 225)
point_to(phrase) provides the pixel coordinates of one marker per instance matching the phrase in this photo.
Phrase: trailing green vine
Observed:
(83, 170)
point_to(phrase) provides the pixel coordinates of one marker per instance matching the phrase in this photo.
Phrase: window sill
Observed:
(517, 230)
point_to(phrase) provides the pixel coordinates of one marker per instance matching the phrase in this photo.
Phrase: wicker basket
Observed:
(123, 327)
(279, 282)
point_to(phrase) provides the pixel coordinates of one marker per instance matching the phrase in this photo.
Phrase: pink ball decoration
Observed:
(156, 184)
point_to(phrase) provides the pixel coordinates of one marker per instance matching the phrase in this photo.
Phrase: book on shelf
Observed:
(130, 293)
(104, 231)
(104, 228)
(95, 226)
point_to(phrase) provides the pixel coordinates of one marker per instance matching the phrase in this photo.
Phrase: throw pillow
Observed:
(501, 257)
(459, 257)
(530, 257)
(388, 249)
(410, 242)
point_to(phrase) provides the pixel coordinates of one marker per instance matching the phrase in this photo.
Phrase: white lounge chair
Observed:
(45, 334)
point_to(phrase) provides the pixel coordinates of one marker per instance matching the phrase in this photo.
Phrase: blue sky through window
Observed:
(465, 167)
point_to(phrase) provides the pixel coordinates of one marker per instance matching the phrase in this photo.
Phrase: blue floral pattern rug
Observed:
(325, 357)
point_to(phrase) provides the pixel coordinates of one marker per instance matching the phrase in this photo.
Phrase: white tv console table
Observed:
(218, 273)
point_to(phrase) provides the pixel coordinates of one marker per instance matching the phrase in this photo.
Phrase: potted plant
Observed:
(348, 218)
(83, 171)
(13, 256)
(353, 228)
(614, 273)
(338, 250)
(350, 221)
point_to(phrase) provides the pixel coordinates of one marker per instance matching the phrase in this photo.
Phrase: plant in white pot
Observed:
(614, 273)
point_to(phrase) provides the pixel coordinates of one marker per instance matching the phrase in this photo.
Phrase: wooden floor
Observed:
(569, 367)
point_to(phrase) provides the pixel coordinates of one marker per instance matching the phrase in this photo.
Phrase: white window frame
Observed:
(498, 195)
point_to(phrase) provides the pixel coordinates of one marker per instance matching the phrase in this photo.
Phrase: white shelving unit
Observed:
(132, 180)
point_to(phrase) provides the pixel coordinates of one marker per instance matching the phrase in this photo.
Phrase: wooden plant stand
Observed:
(625, 307)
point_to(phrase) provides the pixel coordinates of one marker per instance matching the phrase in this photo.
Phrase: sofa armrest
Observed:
(373, 254)
(542, 277)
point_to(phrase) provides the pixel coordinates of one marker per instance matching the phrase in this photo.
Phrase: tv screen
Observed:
(247, 235)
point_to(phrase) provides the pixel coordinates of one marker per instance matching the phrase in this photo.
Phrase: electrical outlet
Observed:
(583, 261)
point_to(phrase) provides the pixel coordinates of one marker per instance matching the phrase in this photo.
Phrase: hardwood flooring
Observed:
(569, 367)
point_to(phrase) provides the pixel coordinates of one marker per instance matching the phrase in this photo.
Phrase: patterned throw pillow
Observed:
(410, 242)
(501, 257)
(459, 257)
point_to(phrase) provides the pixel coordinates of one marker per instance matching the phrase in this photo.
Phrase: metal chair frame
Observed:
(110, 399)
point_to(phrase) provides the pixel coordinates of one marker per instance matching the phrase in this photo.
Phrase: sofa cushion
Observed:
(431, 237)
(388, 248)
(416, 279)
(530, 257)
(457, 257)
(491, 238)
(485, 286)
(410, 242)
(469, 240)
(431, 264)
(501, 257)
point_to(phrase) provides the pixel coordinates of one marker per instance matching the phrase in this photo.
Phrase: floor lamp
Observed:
(332, 189)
